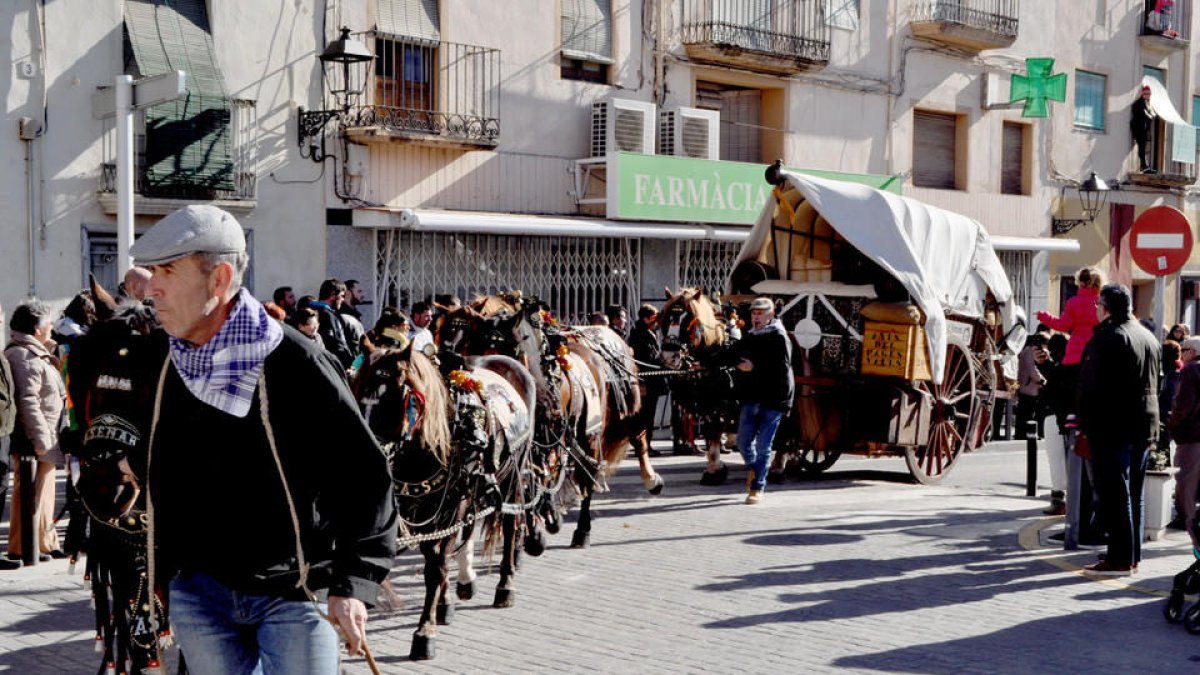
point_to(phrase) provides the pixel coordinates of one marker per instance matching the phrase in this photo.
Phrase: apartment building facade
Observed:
(500, 145)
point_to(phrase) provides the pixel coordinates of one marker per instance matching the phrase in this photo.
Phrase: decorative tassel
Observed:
(153, 667)
(165, 639)
(110, 668)
(99, 643)
(71, 567)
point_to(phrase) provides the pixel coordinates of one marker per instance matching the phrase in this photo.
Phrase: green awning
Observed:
(187, 141)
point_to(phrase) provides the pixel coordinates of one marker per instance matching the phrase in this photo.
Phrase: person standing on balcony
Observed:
(1141, 125)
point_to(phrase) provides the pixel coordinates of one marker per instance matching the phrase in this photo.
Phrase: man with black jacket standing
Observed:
(332, 331)
(1118, 412)
(766, 388)
(258, 425)
(647, 348)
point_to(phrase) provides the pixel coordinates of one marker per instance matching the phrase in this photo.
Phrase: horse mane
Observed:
(704, 311)
(424, 377)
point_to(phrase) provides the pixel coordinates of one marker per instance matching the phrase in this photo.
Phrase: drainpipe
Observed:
(659, 48)
(28, 129)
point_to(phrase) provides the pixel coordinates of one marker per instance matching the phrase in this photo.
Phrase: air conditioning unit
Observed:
(690, 132)
(621, 125)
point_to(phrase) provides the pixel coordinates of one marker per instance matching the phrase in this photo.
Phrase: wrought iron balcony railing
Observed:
(242, 137)
(1169, 24)
(982, 24)
(446, 91)
(768, 35)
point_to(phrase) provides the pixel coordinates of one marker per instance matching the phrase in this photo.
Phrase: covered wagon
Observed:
(903, 318)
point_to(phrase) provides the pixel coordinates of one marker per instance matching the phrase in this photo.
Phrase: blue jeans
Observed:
(1120, 473)
(756, 432)
(224, 632)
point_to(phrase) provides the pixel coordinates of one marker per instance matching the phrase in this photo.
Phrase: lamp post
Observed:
(341, 62)
(1093, 192)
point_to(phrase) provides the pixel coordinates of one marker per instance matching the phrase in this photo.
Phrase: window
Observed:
(188, 146)
(1156, 73)
(408, 33)
(586, 40)
(100, 258)
(1196, 118)
(1012, 159)
(1089, 100)
(741, 119)
(935, 150)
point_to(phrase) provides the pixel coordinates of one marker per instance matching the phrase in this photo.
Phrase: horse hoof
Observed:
(422, 648)
(717, 477)
(775, 477)
(504, 598)
(465, 590)
(535, 543)
(445, 614)
(657, 486)
(581, 539)
(553, 523)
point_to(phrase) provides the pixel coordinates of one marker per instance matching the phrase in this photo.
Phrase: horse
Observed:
(111, 375)
(453, 443)
(587, 394)
(696, 338)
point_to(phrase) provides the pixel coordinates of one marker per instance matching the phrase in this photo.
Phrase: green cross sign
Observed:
(1037, 87)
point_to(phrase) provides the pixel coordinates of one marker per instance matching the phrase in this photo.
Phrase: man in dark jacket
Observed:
(1185, 427)
(8, 422)
(332, 330)
(267, 487)
(1118, 412)
(644, 342)
(766, 390)
(1141, 126)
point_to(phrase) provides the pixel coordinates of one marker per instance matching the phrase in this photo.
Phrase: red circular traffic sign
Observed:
(1161, 240)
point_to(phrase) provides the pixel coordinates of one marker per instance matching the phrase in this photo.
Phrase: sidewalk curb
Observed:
(1029, 539)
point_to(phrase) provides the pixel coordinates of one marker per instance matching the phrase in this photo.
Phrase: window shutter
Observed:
(933, 150)
(745, 23)
(587, 30)
(1012, 159)
(414, 19)
(187, 141)
(1089, 100)
(740, 119)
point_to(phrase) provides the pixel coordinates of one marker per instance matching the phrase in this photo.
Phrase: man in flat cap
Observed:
(766, 388)
(259, 520)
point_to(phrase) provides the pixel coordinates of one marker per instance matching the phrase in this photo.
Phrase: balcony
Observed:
(229, 182)
(974, 25)
(443, 95)
(1168, 30)
(1167, 174)
(779, 37)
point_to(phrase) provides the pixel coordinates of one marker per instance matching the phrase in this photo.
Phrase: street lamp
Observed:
(345, 75)
(1093, 192)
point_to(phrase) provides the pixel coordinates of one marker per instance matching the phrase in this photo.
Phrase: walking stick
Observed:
(366, 650)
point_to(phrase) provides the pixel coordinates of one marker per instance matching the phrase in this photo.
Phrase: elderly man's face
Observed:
(759, 318)
(183, 294)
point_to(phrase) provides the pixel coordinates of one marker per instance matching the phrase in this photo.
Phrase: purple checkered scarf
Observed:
(223, 372)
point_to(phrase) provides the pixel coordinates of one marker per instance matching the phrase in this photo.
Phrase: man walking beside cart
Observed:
(766, 389)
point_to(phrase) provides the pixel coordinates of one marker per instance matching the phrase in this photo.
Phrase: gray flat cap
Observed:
(192, 229)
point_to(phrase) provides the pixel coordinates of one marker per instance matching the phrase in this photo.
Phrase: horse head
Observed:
(112, 373)
(405, 401)
(691, 325)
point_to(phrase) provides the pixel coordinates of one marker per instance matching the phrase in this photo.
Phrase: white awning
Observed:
(1035, 244)
(478, 222)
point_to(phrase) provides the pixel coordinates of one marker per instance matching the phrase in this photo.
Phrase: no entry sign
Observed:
(1161, 240)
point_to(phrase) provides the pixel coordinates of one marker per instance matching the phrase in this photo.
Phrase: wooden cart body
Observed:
(903, 319)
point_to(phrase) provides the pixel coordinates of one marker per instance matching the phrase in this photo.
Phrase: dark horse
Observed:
(587, 395)
(695, 338)
(111, 373)
(452, 448)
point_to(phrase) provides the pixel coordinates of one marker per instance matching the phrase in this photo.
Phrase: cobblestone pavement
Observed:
(860, 571)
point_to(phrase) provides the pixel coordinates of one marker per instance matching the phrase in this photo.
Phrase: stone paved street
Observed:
(862, 571)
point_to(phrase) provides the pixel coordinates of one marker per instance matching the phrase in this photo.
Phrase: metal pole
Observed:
(1160, 299)
(1031, 448)
(29, 524)
(123, 87)
(1074, 485)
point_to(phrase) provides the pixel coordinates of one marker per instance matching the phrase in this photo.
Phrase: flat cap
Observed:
(192, 229)
(762, 303)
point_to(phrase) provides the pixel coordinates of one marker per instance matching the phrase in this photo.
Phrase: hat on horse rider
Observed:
(192, 229)
(762, 303)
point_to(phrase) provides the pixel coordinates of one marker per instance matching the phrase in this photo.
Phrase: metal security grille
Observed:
(1018, 265)
(576, 276)
(704, 263)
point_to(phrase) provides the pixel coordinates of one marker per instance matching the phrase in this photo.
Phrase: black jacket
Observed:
(333, 333)
(220, 504)
(771, 382)
(1118, 384)
(1141, 120)
(647, 350)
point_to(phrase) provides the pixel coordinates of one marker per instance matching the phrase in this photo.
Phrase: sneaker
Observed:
(1109, 569)
(754, 497)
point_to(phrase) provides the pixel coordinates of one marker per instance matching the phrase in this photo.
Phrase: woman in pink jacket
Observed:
(1079, 316)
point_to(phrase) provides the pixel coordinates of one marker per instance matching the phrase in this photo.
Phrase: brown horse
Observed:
(588, 398)
(696, 337)
(453, 448)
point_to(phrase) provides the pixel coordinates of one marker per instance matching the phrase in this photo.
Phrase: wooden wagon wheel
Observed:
(954, 408)
(805, 460)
